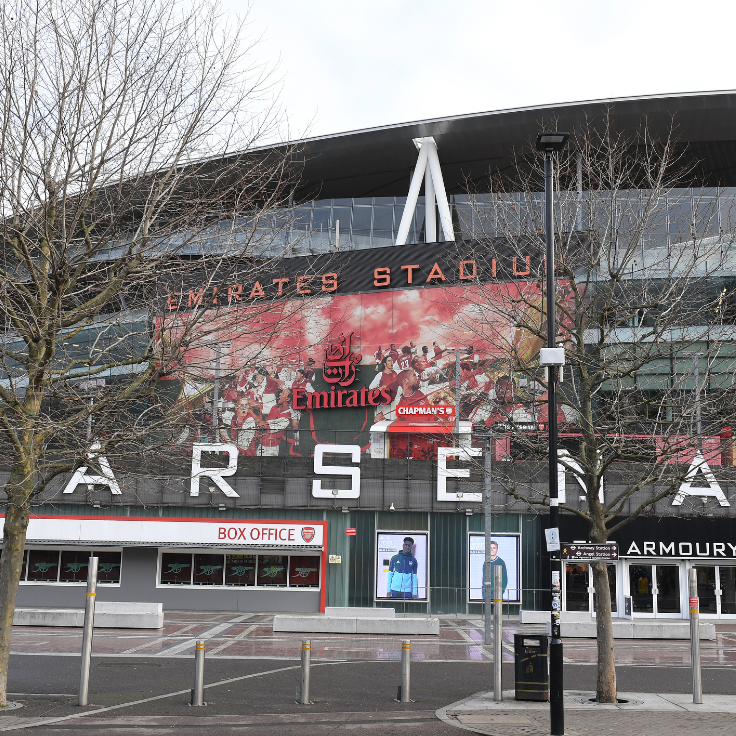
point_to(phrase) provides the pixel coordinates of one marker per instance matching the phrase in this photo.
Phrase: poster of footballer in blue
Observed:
(401, 565)
(505, 553)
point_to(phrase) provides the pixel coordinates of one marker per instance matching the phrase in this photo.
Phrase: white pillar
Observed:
(433, 162)
(430, 210)
(411, 199)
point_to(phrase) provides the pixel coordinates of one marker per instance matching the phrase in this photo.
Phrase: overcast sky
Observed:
(355, 64)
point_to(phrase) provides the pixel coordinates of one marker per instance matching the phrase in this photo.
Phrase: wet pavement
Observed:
(140, 681)
(244, 636)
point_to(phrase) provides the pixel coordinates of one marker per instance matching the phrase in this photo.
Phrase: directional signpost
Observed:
(588, 552)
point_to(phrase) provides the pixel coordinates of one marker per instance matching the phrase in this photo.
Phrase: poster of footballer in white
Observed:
(506, 554)
(401, 565)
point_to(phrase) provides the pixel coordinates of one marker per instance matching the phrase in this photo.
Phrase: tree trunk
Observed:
(606, 685)
(11, 563)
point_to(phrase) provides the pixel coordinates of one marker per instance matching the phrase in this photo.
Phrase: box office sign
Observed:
(145, 531)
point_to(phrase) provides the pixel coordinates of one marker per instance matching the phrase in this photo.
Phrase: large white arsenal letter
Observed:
(321, 469)
(216, 474)
(443, 473)
(699, 465)
(106, 479)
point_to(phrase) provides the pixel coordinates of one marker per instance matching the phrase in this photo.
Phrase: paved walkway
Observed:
(243, 636)
(141, 680)
(650, 714)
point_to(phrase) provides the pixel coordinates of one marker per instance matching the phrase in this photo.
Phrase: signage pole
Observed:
(556, 706)
(216, 391)
(488, 523)
(457, 397)
(696, 380)
(695, 635)
(306, 662)
(497, 632)
(89, 619)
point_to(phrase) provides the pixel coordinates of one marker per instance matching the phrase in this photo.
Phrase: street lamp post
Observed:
(552, 357)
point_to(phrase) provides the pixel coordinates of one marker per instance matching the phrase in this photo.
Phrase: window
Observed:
(74, 566)
(383, 218)
(240, 570)
(303, 572)
(43, 565)
(176, 569)
(108, 568)
(69, 566)
(362, 218)
(272, 570)
(208, 569)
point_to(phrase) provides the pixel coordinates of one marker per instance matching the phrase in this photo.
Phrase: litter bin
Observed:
(530, 667)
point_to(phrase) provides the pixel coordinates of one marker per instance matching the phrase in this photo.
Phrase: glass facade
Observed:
(69, 566)
(373, 222)
(240, 570)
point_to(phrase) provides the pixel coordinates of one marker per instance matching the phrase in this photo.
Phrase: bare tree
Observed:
(640, 298)
(128, 137)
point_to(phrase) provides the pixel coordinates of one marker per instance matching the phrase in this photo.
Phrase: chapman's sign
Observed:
(436, 411)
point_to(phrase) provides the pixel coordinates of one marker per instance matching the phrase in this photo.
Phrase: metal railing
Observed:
(455, 601)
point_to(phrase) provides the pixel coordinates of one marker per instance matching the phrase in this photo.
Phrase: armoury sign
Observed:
(218, 475)
(669, 537)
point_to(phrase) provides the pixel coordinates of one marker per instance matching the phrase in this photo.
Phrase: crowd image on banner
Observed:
(394, 348)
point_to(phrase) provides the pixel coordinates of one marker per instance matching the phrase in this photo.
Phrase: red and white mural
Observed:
(329, 369)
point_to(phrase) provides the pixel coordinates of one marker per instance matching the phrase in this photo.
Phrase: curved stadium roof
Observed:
(378, 162)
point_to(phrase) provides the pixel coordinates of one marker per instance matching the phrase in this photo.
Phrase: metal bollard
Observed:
(198, 691)
(405, 691)
(89, 619)
(695, 635)
(497, 632)
(306, 661)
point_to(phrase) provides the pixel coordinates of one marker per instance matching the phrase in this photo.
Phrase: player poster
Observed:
(506, 554)
(401, 565)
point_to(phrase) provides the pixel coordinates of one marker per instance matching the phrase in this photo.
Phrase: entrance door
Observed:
(667, 595)
(579, 592)
(655, 590)
(577, 585)
(716, 589)
(727, 576)
(708, 589)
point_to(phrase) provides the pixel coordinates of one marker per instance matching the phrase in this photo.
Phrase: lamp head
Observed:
(552, 141)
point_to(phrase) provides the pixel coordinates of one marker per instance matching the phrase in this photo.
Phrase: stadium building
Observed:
(297, 485)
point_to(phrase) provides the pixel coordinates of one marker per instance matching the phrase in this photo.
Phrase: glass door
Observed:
(727, 577)
(611, 571)
(579, 591)
(577, 587)
(708, 589)
(716, 589)
(667, 593)
(641, 588)
(655, 590)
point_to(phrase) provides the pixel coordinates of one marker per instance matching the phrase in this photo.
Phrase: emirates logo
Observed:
(340, 362)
